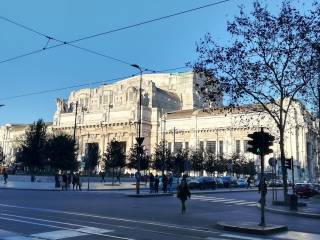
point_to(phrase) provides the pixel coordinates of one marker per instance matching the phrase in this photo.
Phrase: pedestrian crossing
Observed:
(203, 198)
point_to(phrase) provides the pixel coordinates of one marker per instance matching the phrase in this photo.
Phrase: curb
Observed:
(59, 189)
(293, 213)
(252, 228)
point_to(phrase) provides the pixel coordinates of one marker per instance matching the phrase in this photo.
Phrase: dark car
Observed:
(304, 190)
(202, 183)
(229, 181)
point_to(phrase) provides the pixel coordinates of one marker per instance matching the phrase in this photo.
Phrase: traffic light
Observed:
(260, 143)
(287, 163)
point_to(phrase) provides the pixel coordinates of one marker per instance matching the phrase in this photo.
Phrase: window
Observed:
(177, 146)
(238, 146)
(201, 146)
(245, 146)
(211, 147)
(221, 147)
(186, 145)
(169, 146)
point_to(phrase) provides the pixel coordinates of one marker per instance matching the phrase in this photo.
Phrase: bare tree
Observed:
(267, 64)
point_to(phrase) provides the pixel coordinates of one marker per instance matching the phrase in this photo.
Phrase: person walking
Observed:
(249, 182)
(74, 181)
(170, 182)
(5, 176)
(151, 179)
(64, 181)
(78, 182)
(183, 193)
(118, 177)
(263, 189)
(102, 175)
(156, 184)
(57, 180)
(164, 183)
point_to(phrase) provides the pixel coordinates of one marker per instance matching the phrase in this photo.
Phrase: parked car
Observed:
(229, 181)
(202, 183)
(241, 183)
(304, 190)
(275, 183)
(219, 182)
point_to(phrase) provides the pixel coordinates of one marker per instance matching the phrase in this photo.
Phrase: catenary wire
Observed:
(106, 32)
(79, 85)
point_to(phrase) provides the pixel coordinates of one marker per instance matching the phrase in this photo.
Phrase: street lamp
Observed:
(139, 139)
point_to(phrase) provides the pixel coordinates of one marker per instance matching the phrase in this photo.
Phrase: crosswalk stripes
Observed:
(224, 200)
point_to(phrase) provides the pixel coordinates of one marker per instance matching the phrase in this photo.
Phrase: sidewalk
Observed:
(49, 186)
(107, 186)
(312, 210)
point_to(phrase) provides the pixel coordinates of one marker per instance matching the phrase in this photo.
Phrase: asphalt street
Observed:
(71, 215)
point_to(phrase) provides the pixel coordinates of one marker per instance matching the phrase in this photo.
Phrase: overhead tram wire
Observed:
(106, 32)
(79, 85)
(57, 40)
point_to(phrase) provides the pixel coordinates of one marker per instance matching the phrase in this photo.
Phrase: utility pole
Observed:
(139, 139)
(174, 139)
(75, 122)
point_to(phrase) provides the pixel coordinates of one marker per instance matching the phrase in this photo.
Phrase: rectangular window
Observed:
(238, 146)
(211, 147)
(177, 146)
(245, 146)
(169, 146)
(220, 147)
(186, 145)
(201, 146)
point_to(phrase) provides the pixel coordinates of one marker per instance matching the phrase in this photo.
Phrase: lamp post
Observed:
(139, 139)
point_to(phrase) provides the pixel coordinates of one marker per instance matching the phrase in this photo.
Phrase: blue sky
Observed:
(160, 45)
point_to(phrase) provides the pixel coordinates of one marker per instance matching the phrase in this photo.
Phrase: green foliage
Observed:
(61, 151)
(135, 153)
(32, 149)
(162, 157)
(114, 156)
(197, 161)
(92, 156)
(179, 161)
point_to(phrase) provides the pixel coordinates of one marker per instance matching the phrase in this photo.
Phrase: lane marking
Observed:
(234, 202)
(59, 234)
(54, 226)
(242, 237)
(87, 228)
(245, 203)
(109, 218)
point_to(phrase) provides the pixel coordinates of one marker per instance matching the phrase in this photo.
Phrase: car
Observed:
(202, 183)
(219, 182)
(229, 181)
(304, 190)
(242, 183)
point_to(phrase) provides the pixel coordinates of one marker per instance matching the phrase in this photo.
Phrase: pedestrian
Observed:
(74, 181)
(183, 193)
(156, 184)
(69, 180)
(151, 179)
(78, 182)
(263, 189)
(170, 182)
(5, 176)
(64, 181)
(102, 175)
(249, 182)
(137, 175)
(164, 183)
(57, 180)
(118, 177)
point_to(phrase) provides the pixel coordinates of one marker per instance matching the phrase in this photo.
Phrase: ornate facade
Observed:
(173, 111)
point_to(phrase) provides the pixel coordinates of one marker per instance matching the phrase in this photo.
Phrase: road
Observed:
(71, 215)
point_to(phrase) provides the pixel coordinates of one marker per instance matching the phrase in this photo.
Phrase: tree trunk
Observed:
(283, 168)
